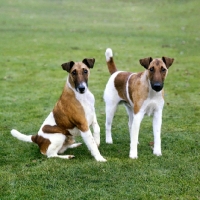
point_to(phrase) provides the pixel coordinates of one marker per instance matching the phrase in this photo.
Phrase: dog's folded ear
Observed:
(168, 61)
(145, 62)
(89, 62)
(67, 66)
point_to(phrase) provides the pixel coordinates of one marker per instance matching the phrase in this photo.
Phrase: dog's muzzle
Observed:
(157, 86)
(81, 88)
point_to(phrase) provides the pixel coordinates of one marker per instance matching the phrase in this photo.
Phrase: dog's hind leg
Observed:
(57, 141)
(69, 144)
(110, 111)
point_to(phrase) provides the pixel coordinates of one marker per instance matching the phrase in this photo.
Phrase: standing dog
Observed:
(142, 93)
(72, 115)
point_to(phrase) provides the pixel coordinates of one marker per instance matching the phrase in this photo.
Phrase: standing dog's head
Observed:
(79, 73)
(157, 70)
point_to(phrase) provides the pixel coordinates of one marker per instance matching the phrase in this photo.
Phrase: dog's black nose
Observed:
(81, 88)
(157, 86)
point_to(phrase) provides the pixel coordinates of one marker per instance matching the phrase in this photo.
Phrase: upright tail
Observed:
(110, 62)
(20, 136)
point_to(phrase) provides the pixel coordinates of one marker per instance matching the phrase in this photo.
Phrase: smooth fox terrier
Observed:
(142, 93)
(72, 115)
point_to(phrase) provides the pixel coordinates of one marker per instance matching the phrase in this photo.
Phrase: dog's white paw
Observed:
(133, 156)
(157, 153)
(70, 156)
(100, 159)
(109, 141)
(61, 156)
(74, 145)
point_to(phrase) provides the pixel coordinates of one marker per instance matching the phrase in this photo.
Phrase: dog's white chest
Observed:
(151, 105)
(87, 101)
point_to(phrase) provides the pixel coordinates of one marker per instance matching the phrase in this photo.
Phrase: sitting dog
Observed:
(142, 93)
(72, 115)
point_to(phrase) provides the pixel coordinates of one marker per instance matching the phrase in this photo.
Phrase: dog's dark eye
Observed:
(151, 69)
(74, 72)
(85, 71)
(163, 69)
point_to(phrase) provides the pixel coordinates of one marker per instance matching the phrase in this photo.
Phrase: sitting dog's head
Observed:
(157, 70)
(79, 73)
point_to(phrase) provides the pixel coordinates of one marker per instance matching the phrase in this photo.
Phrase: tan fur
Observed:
(68, 112)
(138, 90)
(120, 84)
(54, 129)
(78, 67)
(111, 66)
(42, 143)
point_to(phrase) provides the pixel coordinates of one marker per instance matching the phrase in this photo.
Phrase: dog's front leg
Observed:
(157, 122)
(134, 133)
(92, 146)
(96, 130)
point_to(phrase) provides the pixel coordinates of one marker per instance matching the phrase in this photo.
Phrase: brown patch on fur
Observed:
(111, 66)
(54, 129)
(138, 90)
(120, 84)
(69, 113)
(43, 143)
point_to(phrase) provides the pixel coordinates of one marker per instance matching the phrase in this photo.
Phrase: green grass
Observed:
(36, 37)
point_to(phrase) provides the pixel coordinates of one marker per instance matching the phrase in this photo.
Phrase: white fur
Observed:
(108, 54)
(153, 105)
(20, 136)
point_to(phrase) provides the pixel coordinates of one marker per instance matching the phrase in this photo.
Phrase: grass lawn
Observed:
(36, 37)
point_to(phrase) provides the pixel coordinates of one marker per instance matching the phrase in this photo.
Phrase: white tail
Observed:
(110, 61)
(20, 136)
(108, 54)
